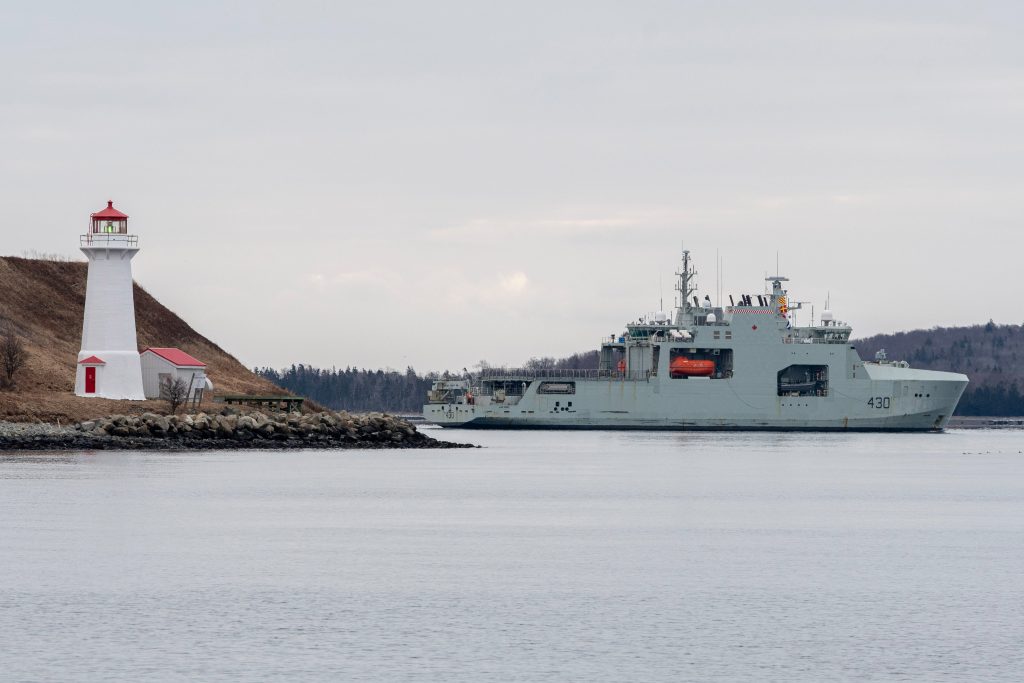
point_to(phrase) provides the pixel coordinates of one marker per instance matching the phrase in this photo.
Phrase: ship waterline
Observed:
(742, 366)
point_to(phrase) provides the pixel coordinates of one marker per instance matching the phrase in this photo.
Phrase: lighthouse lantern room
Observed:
(108, 364)
(109, 223)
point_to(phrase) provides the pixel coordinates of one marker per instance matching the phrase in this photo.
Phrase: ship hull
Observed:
(885, 398)
(922, 424)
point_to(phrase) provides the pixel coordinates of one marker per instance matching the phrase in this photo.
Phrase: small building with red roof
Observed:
(163, 365)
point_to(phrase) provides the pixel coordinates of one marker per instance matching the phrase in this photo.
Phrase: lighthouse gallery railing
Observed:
(102, 239)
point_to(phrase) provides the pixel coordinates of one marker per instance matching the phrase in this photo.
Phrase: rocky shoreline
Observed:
(230, 429)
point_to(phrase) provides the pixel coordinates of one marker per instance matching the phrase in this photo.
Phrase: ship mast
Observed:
(685, 286)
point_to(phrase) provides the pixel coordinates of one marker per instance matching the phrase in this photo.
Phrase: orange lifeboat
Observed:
(687, 367)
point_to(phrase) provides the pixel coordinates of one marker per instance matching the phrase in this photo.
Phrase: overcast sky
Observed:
(431, 184)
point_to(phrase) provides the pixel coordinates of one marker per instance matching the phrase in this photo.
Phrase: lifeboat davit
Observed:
(687, 367)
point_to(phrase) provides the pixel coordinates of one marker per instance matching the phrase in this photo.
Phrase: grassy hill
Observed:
(45, 301)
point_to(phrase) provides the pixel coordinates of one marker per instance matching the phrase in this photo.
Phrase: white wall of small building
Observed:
(153, 366)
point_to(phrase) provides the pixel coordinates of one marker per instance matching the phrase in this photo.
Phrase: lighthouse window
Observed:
(109, 227)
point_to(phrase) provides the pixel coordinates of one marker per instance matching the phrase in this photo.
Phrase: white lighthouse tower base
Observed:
(120, 375)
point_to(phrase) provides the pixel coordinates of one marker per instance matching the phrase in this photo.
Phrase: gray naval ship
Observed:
(742, 366)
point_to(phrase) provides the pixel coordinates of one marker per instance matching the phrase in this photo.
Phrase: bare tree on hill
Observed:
(174, 391)
(12, 354)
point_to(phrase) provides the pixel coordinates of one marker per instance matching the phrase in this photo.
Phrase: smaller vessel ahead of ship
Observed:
(743, 366)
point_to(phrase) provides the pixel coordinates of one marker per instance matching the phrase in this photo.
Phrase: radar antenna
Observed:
(685, 286)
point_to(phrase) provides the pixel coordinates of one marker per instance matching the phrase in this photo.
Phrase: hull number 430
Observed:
(879, 402)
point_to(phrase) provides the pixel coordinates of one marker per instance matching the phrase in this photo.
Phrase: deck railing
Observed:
(815, 340)
(108, 239)
(550, 373)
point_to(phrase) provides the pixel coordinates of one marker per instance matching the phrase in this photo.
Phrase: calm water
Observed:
(546, 556)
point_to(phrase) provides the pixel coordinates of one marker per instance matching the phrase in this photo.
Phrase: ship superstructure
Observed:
(741, 366)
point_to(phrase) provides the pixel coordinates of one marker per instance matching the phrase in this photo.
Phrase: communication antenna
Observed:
(721, 280)
(799, 306)
(685, 285)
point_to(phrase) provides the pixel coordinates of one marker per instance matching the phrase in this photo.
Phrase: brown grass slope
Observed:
(45, 301)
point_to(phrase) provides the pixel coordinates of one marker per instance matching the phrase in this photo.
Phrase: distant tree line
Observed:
(588, 360)
(355, 389)
(992, 401)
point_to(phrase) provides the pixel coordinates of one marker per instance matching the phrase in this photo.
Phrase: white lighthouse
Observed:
(108, 364)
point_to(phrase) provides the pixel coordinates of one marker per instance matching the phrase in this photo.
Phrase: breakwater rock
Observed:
(229, 429)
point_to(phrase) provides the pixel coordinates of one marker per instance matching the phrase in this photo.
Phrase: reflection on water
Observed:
(545, 556)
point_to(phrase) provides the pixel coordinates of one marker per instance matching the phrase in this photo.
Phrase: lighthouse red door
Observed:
(90, 380)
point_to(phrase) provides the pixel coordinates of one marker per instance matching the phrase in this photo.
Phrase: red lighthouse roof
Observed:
(109, 212)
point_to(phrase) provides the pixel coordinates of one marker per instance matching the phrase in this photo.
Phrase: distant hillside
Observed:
(991, 355)
(988, 354)
(45, 300)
